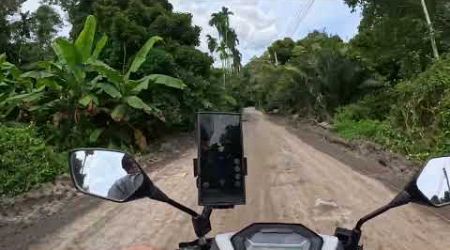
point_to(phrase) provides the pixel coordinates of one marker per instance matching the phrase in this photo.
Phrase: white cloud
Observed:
(30, 5)
(260, 22)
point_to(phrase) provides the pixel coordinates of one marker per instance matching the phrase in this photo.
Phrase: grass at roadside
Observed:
(416, 149)
(26, 160)
(411, 118)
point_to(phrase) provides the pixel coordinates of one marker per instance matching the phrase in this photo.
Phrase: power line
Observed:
(303, 13)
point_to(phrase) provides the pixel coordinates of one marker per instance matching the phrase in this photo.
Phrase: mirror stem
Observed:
(182, 208)
(401, 199)
(157, 194)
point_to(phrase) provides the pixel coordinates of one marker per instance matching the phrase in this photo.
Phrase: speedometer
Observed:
(276, 236)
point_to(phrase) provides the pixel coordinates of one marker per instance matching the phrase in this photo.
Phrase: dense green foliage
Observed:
(131, 71)
(129, 24)
(123, 78)
(384, 85)
(84, 97)
(414, 122)
(27, 38)
(411, 117)
(393, 37)
(311, 77)
(25, 159)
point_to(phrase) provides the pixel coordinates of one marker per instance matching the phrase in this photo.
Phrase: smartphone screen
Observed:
(221, 179)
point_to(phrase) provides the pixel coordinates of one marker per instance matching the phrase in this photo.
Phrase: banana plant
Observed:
(82, 57)
(125, 90)
(15, 90)
(78, 85)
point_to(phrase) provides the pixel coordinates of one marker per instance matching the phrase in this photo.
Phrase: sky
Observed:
(102, 170)
(258, 23)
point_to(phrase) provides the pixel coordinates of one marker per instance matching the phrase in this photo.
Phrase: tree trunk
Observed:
(430, 27)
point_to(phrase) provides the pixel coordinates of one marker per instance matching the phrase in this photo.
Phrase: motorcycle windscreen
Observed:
(220, 157)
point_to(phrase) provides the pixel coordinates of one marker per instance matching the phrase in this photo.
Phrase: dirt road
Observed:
(289, 181)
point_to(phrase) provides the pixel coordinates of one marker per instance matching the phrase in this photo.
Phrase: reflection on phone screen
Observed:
(220, 154)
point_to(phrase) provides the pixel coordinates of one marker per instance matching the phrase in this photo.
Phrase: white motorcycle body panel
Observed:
(329, 242)
(223, 241)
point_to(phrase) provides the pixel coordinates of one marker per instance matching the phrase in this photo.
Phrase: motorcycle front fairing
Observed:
(275, 236)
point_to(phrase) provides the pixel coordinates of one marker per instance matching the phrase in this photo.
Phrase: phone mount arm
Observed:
(202, 223)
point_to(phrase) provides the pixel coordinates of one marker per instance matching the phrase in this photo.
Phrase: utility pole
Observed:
(430, 27)
(276, 58)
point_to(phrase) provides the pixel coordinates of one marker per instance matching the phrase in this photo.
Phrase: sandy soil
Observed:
(289, 181)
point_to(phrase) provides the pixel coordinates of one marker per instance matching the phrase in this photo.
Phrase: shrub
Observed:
(362, 129)
(413, 118)
(25, 160)
(380, 132)
(422, 103)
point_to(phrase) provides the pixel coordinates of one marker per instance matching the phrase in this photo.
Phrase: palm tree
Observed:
(218, 21)
(237, 57)
(212, 44)
(223, 54)
(232, 40)
(228, 40)
(226, 19)
(232, 43)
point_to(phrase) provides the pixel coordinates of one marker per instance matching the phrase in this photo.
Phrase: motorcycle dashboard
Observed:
(276, 236)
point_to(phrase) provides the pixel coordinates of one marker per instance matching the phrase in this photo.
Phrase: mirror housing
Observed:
(111, 175)
(96, 171)
(430, 187)
(433, 182)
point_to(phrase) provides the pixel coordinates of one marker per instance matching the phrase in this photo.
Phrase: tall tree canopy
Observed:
(45, 23)
(281, 50)
(314, 76)
(393, 38)
(130, 23)
(227, 47)
(7, 8)
(26, 37)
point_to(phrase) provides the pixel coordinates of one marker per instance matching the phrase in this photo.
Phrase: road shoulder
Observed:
(367, 158)
(29, 217)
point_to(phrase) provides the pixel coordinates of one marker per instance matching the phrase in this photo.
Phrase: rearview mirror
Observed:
(106, 174)
(116, 176)
(433, 182)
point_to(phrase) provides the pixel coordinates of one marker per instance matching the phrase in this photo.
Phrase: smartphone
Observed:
(221, 166)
